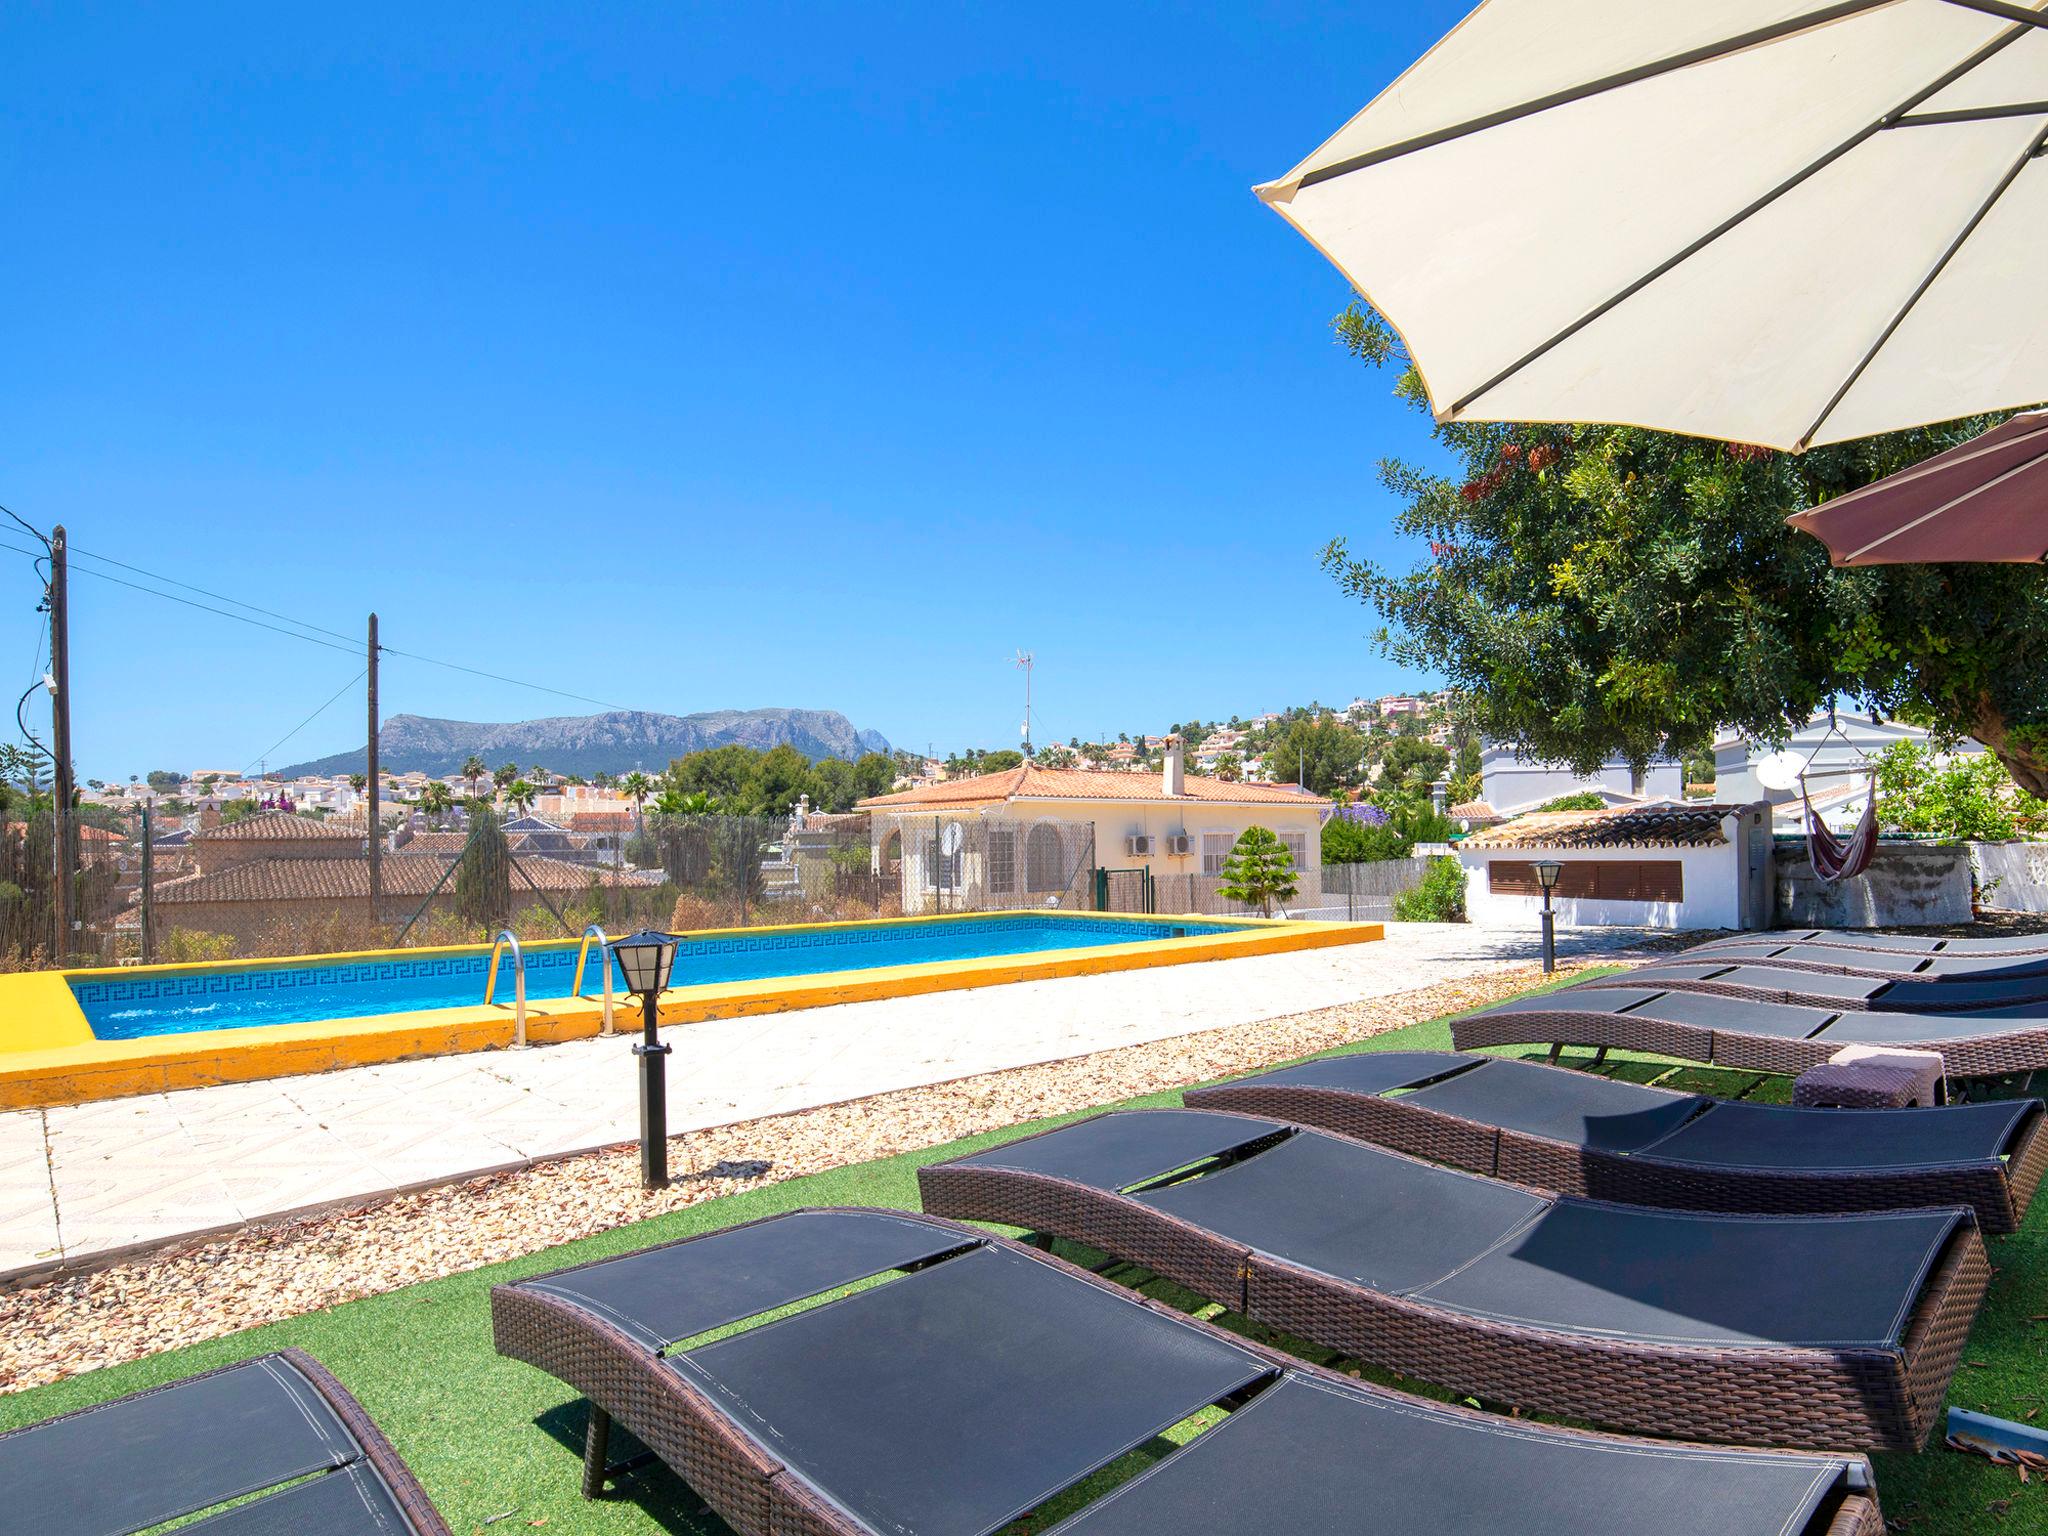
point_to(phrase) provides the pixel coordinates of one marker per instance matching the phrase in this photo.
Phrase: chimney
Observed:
(1176, 773)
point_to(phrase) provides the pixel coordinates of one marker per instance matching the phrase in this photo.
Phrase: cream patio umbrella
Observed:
(1754, 220)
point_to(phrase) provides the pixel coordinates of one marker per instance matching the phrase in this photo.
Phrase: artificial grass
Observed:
(498, 1445)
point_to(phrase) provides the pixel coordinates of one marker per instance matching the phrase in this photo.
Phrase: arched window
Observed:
(892, 854)
(1045, 862)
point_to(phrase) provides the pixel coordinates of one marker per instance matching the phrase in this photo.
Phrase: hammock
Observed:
(1836, 858)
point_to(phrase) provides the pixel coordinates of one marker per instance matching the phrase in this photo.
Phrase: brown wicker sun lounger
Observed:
(2011, 945)
(1848, 960)
(980, 1379)
(278, 1423)
(1781, 1330)
(1772, 983)
(1649, 1010)
(1581, 1134)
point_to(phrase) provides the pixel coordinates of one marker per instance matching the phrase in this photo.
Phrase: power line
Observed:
(217, 596)
(351, 647)
(265, 755)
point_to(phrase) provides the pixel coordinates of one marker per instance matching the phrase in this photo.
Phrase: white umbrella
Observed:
(1745, 219)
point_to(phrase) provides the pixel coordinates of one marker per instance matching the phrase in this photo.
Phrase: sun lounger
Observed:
(1781, 1330)
(1849, 960)
(278, 1423)
(1876, 994)
(1581, 1134)
(2015, 944)
(980, 1380)
(1642, 1010)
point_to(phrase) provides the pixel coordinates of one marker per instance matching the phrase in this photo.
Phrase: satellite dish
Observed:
(1781, 770)
(951, 838)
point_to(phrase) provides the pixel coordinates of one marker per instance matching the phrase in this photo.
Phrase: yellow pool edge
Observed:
(49, 1055)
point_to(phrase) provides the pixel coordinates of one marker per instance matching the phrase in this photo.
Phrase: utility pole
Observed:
(370, 773)
(66, 839)
(148, 883)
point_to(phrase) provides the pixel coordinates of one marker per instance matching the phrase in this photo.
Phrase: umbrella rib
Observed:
(2025, 15)
(1971, 114)
(1741, 216)
(1703, 54)
(1947, 506)
(2031, 153)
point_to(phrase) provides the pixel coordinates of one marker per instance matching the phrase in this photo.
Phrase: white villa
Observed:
(1839, 796)
(1038, 834)
(1512, 784)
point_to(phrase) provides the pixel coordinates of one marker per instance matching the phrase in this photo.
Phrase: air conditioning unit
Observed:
(1138, 845)
(1179, 844)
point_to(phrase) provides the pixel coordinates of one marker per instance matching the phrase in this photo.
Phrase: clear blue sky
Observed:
(687, 358)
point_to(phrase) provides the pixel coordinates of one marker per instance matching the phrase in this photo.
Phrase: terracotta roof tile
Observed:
(1031, 782)
(1473, 810)
(402, 874)
(1657, 826)
(279, 827)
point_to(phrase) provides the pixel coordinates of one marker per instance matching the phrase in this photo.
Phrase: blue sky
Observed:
(687, 358)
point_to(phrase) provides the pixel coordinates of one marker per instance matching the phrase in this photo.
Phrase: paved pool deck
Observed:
(82, 1183)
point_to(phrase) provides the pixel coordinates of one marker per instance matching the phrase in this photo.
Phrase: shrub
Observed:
(1259, 871)
(1347, 840)
(1583, 800)
(182, 946)
(1438, 898)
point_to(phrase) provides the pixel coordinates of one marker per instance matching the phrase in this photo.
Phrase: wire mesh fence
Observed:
(276, 883)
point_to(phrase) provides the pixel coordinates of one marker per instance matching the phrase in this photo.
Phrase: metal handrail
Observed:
(506, 936)
(583, 954)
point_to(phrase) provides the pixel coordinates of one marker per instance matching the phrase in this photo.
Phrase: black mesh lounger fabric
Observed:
(1890, 961)
(1476, 1245)
(1684, 1277)
(1947, 995)
(951, 1401)
(1901, 943)
(1703, 1010)
(1574, 1107)
(1739, 1134)
(1311, 1458)
(1371, 1217)
(1117, 1151)
(1897, 1028)
(676, 1292)
(1764, 978)
(142, 1460)
(1374, 1071)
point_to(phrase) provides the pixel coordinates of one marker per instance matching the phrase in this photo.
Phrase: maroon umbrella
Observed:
(1984, 500)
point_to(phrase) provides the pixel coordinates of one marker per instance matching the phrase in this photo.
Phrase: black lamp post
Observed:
(645, 960)
(1547, 871)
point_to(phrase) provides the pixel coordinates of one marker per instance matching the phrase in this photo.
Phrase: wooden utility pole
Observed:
(148, 883)
(66, 840)
(376, 852)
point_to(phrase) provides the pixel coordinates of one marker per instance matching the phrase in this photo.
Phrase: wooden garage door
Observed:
(1593, 879)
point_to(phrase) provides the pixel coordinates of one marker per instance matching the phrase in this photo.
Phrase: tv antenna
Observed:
(1026, 660)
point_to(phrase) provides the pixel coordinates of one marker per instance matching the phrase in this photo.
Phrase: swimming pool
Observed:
(124, 1007)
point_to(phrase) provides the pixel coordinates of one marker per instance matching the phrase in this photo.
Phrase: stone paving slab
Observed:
(78, 1183)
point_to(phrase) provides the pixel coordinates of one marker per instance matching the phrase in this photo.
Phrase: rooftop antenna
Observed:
(1025, 660)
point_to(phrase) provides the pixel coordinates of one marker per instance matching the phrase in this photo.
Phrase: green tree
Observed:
(359, 782)
(1580, 800)
(163, 781)
(483, 876)
(503, 775)
(999, 761)
(1969, 797)
(1349, 841)
(1438, 898)
(435, 800)
(1258, 871)
(1598, 591)
(1409, 766)
(473, 769)
(637, 787)
(520, 795)
(1230, 767)
(1321, 750)
(1466, 780)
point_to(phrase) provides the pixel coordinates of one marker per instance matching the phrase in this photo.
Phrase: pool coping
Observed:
(59, 1060)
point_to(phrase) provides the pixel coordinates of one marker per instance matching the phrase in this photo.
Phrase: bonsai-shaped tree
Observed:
(1258, 872)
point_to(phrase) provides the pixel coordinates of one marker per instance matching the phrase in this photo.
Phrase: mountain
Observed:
(617, 742)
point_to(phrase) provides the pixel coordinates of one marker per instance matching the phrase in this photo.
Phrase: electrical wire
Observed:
(269, 751)
(217, 596)
(340, 642)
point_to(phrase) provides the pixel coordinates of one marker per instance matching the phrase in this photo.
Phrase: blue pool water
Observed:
(301, 992)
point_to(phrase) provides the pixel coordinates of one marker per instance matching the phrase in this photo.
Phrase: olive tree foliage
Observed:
(1599, 591)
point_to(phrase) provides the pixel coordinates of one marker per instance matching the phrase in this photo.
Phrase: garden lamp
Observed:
(645, 960)
(1547, 872)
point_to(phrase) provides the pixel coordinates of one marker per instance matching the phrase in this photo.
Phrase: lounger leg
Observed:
(597, 1439)
(1556, 1050)
(1599, 1058)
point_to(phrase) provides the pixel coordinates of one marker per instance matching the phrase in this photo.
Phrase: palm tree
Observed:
(473, 769)
(638, 787)
(358, 782)
(504, 774)
(436, 800)
(521, 795)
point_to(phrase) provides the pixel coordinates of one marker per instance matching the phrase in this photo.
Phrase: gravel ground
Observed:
(218, 1286)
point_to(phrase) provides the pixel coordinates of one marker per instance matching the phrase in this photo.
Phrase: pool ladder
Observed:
(605, 963)
(498, 945)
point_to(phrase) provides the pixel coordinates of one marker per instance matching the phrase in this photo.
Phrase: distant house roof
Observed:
(1473, 810)
(1658, 826)
(531, 824)
(278, 827)
(1031, 782)
(402, 874)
